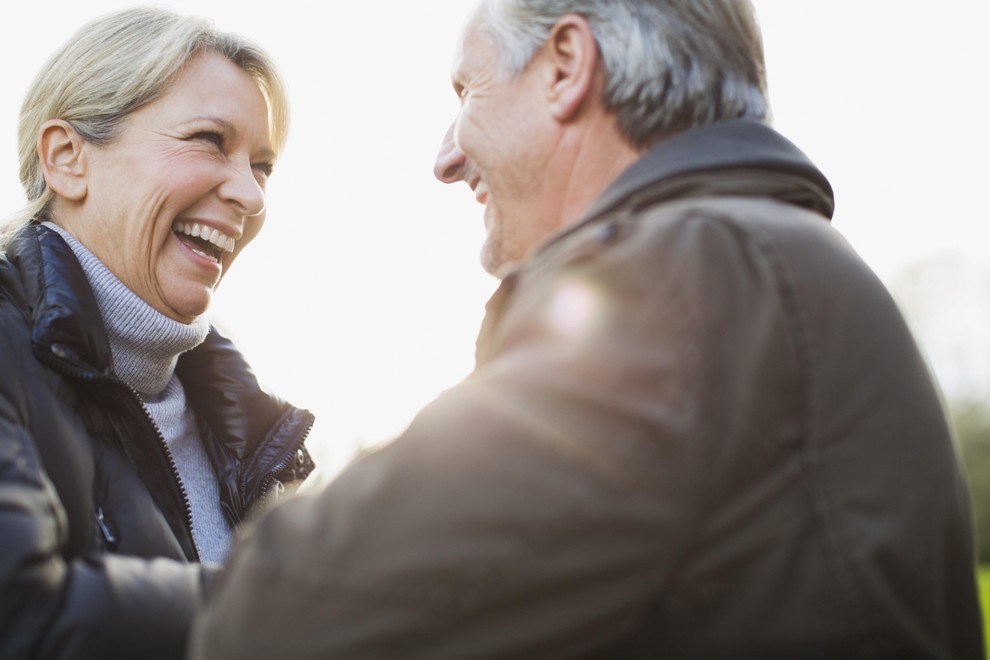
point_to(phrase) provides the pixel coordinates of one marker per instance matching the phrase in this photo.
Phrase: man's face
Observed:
(500, 144)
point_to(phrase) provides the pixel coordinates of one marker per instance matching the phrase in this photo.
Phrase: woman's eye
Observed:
(262, 171)
(209, 136)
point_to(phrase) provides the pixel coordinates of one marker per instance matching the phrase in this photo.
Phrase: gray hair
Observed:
(114, 65)
(669, 64)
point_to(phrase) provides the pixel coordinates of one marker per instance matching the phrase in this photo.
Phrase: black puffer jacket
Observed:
(97, 558)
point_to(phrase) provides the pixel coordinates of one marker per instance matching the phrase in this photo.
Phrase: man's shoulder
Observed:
(663, 233)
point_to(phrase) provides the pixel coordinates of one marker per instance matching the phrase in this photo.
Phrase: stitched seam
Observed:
(796, 318)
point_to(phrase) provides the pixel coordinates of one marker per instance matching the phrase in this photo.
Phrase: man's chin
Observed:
(495, 263)
(491, 259)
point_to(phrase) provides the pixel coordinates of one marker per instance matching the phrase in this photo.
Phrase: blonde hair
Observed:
(114, 65)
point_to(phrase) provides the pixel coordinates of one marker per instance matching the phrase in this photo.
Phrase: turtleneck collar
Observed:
(145, 343)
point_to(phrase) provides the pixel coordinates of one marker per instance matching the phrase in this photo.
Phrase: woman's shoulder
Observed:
(15, 330)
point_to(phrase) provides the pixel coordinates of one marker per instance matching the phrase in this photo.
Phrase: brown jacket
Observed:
(698, 428)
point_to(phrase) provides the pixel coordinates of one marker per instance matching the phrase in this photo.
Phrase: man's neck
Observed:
(596, 156)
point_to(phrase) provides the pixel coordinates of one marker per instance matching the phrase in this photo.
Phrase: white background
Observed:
(362, 296)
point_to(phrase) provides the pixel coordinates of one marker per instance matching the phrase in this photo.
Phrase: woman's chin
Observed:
(188, 306)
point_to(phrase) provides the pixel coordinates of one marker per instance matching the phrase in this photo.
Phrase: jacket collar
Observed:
(722, 147)
(66, 325)
(720, 158)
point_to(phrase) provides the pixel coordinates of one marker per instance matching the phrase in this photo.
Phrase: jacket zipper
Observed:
(186, 505)
(108, 535)
(135, 398)
(281, 465)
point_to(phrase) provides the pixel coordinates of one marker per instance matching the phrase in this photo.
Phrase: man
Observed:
(698, 426)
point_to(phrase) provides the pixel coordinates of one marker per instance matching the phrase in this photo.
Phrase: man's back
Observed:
(698, 428)
(776, 412)
(828, 516)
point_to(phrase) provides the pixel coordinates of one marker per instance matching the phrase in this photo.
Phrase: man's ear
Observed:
(62, 152)
(573, 54)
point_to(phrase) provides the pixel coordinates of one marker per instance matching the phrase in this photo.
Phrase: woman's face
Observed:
(172, 201)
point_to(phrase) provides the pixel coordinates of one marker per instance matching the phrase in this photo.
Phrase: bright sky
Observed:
(362, 297)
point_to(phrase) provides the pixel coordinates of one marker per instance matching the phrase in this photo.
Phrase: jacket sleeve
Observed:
(58, 608)
(534, 510)
(473, 542)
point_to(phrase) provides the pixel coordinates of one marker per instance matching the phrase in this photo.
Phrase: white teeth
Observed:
(203, 254)
(481, 192)
(214, 236)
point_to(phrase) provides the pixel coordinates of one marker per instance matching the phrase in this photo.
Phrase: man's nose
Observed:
(449, 167)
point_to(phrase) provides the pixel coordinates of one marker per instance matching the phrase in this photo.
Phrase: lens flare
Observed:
(575, 309)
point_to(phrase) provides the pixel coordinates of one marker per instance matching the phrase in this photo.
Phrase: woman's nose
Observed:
(243, 189)
(449, 167)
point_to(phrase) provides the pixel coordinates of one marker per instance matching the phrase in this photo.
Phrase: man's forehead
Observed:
(475, 48)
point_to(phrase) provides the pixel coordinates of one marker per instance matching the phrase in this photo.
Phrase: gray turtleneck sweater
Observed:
(145, 346)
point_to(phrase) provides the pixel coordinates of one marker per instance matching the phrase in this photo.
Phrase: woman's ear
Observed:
(62, 152)
(573, 52)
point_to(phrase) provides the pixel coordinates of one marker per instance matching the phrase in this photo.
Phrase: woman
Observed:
(133, 436)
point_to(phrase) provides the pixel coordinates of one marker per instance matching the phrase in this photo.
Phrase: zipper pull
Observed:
(104, 527)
